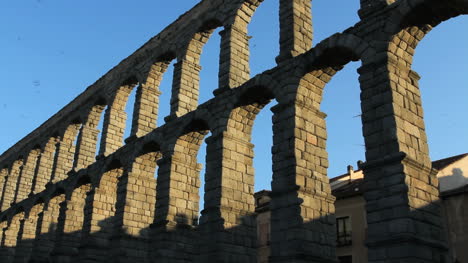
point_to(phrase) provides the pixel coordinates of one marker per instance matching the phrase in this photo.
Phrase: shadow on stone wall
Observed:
(158, 243)
(164, 243)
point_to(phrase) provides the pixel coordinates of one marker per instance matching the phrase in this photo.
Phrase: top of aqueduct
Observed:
(54, 174)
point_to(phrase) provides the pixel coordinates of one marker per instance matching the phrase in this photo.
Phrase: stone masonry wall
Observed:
(137, 199)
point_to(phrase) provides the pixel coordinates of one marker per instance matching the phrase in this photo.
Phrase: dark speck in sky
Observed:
(37, 83)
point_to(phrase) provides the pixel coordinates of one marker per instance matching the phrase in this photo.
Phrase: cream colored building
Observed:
(351, 212)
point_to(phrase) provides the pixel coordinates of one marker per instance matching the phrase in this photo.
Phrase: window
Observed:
(343, 231)
(345, 259)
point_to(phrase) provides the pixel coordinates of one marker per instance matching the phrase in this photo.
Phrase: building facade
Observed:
(67, 196)
(350, 212)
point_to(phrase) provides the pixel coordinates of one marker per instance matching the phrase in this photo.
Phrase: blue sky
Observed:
(51, 50)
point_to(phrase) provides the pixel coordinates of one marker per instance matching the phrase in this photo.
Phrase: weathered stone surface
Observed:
(61, 203)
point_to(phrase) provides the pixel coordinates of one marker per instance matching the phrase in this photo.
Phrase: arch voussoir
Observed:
(139, 199)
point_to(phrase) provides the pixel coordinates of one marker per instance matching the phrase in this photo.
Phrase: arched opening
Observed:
(331, 87)
(177, 192)
(115, 117)
(102, 109)
(76, 146)
(300, 186)
(130, 109)
(209, 63)
(89, 135)
(419, 23)
(164, 73)
(45, 165)
(105, 200)
(201, 157)
(191, 148)
(47, 227)
(330, 90)
(65, 152)
(229, 204)
(342, 104)
(394, 130)
(345, 149)
(136, 199)
(438, 102)
(186, 83)
(3, 184)
(99, 214)
(147, 97)
(11, 186)
(444, 115)
(27, 174)
(76, 139)
(15, 227)
(151, 152)
(256, 107)
(28, 235)
(264, 32)
(144, 174)
(411, 27)
(73, 219)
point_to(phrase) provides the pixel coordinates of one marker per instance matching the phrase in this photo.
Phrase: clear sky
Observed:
(51, 50)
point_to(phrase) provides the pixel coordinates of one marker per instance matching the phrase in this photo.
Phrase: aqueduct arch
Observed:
(61, 203)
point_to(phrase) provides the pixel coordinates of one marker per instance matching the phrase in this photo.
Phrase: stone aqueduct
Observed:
(61, 203)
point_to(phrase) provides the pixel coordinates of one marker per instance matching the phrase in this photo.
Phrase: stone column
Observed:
(176, 211)
(136, 197)
(403, 206)
(112, 134)
(3, 181)
(65, 154)
(15, 227)
(185, 87)
(234, 68)
(46, 230)
(145, 114)
(302, 206)
(99, 218)
(12, 184)
(3, 185)
(69, 227)
(28, 235)
(27, 175)
(46, 164)
(114, 122)
(5, 251)
(59, 231)
(85, 152)
(227, 224)
(296, 30)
